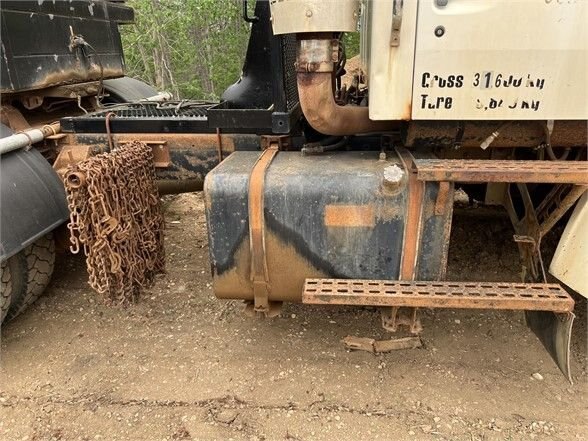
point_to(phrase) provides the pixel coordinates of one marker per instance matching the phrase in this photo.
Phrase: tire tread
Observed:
(40, 261)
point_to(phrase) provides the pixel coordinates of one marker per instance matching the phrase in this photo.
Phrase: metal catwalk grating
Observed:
(469, 295)
(144, 117)
(463, 170)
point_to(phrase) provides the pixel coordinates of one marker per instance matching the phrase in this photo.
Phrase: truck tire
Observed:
(5, 290)
(13, 282)
(39, 261)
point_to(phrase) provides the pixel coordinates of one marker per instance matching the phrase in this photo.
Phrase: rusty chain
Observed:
(116, 219)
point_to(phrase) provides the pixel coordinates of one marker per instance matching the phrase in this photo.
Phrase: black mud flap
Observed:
(32, 198)
(555, 332)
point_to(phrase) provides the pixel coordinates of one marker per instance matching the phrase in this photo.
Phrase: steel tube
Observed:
(161, 96)
(27, 137)
(314, 65)
(326, 116)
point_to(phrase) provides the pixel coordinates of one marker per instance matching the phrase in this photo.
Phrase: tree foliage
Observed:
(192, 48)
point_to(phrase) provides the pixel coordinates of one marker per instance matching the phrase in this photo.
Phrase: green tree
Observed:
(192, 48)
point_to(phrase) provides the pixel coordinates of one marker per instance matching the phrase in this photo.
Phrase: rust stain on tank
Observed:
(390, 212)
(287, 271)
(350, 216)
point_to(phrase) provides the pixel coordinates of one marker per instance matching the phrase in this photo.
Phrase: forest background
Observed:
(191, 48)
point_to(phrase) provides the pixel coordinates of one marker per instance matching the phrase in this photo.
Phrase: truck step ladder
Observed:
(479, 295)
(547, 306)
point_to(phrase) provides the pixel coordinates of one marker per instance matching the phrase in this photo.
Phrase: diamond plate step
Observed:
(464, 170)
(468, 295)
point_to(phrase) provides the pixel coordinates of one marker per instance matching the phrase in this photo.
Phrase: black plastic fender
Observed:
(127, 90)
(32, 199)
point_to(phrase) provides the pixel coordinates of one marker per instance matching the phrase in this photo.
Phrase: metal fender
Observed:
(570, 260)
(32, 199)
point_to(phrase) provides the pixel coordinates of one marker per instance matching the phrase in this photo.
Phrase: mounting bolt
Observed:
(308, 13)
(439, 31)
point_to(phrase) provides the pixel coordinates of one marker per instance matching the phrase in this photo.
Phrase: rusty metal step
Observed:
(468, 295)
(464, 170)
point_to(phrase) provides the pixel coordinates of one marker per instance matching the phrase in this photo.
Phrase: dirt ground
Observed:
(181, 364)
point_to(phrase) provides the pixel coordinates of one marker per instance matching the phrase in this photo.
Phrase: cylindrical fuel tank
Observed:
(340, 215)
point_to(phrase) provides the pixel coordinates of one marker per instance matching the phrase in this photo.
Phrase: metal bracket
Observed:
(282, 142)
(274, 309)
(556, 204)
(393, 317)
(459, 135)
(526, 229)
(536, 222)
(397, 7)
(13, 118)
(161, 155)
(70, 154)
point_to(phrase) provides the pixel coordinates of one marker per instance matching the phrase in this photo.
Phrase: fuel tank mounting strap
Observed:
(413, 216)
(259, 271)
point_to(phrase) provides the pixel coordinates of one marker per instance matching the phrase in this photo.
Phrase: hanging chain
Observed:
(116, 218)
